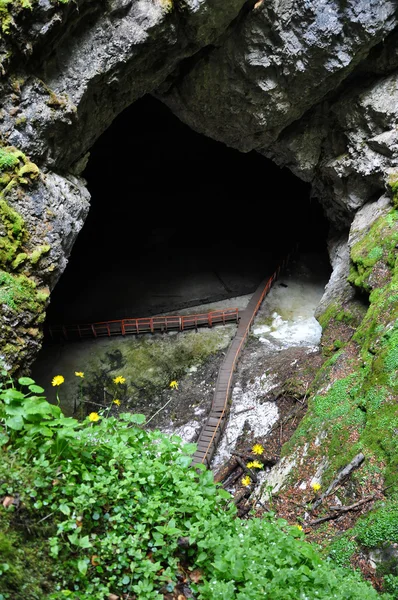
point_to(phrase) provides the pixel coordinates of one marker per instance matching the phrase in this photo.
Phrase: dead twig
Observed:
(342, 475)
(226, 470)
(339, 510)
(235, 477)
(251, 473)
(240, 412)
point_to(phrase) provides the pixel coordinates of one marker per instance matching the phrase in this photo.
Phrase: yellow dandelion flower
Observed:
(246, 481)
(316, 487)
(119, 379)
(93, 417)
(299, 527)
(174, 384)
(258, 449)
(58, 380)
(117, 402)
(79, 374)
(254, 464)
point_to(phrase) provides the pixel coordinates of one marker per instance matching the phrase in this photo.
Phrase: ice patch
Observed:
(188, 432)
(300, 331)
(247, 409)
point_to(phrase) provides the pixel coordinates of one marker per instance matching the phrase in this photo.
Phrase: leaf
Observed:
(200, 467)
(25, 381)
(138, 419)
(125, 580)
(12, 394)
(15, 423)
(64, 508)
(82, 566)
(196, 575)
(184, 461)
(37, 407)
(84, 542)
(189, 448)
(3, 439)
(41, 429)
(8, 501)
(73, 538)
(202, 556)
(36, 389)
(64, 421)
(15, 409)
(224, 494)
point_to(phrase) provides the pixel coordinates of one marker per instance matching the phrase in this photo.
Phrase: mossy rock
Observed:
(357, 410)
(378, 246)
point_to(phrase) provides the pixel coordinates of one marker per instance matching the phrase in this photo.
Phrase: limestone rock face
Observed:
(338, 290)
(69, 69)
(101, 61)
(311, 85)
(280, 62)
(285, 84)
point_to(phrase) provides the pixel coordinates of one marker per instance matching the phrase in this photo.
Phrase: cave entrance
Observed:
(178, 219)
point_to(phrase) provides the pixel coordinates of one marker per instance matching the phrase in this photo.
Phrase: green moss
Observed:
(8, 158)
(378, 245)
(21, 120)
(10, 9)
(393, 184)
(20, 258)
(38, 253)
(14, 227)
(379, 437)
(362, 405)
(19, 293)
(25, 567)
(15, 169)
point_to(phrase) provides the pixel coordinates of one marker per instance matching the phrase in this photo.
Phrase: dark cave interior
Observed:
(178, 219)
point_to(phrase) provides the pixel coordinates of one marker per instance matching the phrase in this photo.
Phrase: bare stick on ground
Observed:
(342, 475)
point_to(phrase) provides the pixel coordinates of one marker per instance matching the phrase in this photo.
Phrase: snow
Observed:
(247, 409)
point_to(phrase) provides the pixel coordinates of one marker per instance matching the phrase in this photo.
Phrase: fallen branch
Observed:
(242, 493)
(234, 478)
(344, 473)
(338, 510)
(226, 470)
(251, 473)
(269, 462)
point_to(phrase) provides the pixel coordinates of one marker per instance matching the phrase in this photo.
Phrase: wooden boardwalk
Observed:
(131, 326)
(214, 426)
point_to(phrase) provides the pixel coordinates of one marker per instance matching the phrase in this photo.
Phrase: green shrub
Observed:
(116, 501)
(380, 526)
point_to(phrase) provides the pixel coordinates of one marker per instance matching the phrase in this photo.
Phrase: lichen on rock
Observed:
(26, 263)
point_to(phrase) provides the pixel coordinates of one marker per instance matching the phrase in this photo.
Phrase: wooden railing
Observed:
(160, 324)
(216, 421)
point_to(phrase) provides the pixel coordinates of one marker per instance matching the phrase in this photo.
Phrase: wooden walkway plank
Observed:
(223, 388)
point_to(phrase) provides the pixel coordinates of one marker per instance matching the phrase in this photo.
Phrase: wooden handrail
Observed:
(211, 445)
(143, 325)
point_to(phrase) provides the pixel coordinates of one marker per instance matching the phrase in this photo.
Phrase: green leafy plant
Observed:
(126, 514)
